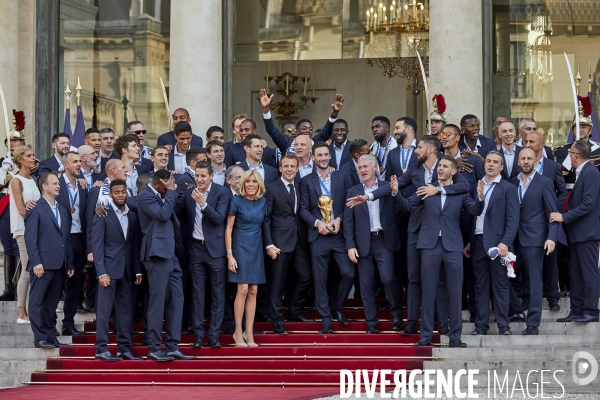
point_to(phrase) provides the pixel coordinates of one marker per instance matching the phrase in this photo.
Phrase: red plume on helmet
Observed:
(441, 103)
(586, 104)
(19, 117)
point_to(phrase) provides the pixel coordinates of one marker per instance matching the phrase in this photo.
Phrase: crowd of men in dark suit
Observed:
(439, 217)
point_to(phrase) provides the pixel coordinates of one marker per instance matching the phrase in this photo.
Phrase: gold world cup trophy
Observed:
(326, 207)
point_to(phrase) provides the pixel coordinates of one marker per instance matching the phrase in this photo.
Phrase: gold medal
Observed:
(72, 209)
(381, 170)
(403, 170)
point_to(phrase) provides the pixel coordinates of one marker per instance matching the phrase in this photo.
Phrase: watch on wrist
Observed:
(229, 251)
(439, 189)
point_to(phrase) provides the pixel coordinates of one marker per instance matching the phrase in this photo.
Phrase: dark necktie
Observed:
(292, 196)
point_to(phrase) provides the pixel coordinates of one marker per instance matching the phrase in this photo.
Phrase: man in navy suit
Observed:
(325, 238)
(116, 244)
(551, 169)
(284, 236)
(496, 227)
(47, 237)
(371, 238)
(235, 152)
(254, 151)
(168, 140)
(61, 142)
(339, 147)
(107, 152)
(357, 148)
(442, 245)
(88, 169)
(183, 135)
(510, 151)
(160, 159)
(471, 140)
(284, 143)
(73, 197)
(156, 206)
(527, 126)
(422, 175)
(583, 233)
(205, 206)
(536, 235)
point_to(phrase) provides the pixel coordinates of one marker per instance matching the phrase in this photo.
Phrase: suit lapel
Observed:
(532, 185)
(285, 192)
(316, 184)
(582, 170)
(111, 213)
(50, 212)
(494, 194)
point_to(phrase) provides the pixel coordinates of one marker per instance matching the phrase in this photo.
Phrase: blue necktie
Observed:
(56, 213)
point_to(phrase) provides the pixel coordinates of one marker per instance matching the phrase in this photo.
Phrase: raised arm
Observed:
(325, 133)
(281, 141)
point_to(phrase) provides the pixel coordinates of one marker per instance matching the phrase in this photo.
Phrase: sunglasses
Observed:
(446, 134)
(143, 132)
(290, 130)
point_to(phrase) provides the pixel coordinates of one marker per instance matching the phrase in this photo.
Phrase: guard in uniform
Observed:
(8, 169)
(437, 119)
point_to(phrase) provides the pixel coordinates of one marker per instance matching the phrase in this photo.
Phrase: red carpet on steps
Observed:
(302, 364)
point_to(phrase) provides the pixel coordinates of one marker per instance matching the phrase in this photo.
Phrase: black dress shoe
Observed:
(145, 342)
(457, 344)
(372, 329)
(214, 343)
(129, 356)
(199, 342)
(397, 324)
(325, 330)
(257, 332)
(531, 330)
(479, 331)
(57, 344)
(80, 309)
(280, 330)
(70, 330)
(569, 318)
(443, 329)
(585, 319)
(554, 307)
(410, 328)
(43, 344)
(505, 331)
(341, 319)
(159, 356)
(107, 356)
(299, 318)
(178, 355)
(229, 331)
(423, 342)
(187, 331)
(517, 318)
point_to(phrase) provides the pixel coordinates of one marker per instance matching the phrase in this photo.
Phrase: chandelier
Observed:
(394, 32)
(540, 51)
(286, 85)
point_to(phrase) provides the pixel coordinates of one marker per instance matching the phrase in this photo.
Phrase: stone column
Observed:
(455, 57)
(196, 72)
(9, 62)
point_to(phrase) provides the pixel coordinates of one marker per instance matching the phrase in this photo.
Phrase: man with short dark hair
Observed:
(405, 132)
(216, 153)
(235, 152)
(205, 206)
(357, 148)
(156, 206)
(127, 148)
(383, 144)
(116, 244)
(471, 139)
(169, 139)
(47, 237)
(92, 138)
(160, 159)
(339, 147)
(137, 128)
(254, 151)
(583, 231)
(107, 140)
(177, 159)
(61, 143)
(215, 133)
(233, 175)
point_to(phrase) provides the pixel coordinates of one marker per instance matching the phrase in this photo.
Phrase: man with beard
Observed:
(383, 144)
(404, 154)
(107, 141)
(550, 169)
(510, 151)
(235, 152)
(471, 140)
(61, 143)
(89, 172)
(536, 235)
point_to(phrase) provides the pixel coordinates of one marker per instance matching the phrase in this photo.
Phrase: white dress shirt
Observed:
(122, 217)
(305, 170)
(373, 206)
(429, 172)
(338, 152)
(579, 169)
(88, 177)
(523, 188)
(131, 180)
(219, 177)
(404, 152)
(73, 196)
(488, 188)
(260, 168)
(477, 145)
(179, 160)
(61, 167)
(198, 233)
(54, 210)
(509, 158)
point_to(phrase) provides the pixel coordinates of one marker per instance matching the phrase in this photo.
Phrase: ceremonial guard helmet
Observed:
(585, 111)
(439, 108)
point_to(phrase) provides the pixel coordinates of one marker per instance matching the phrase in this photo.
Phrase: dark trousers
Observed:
(117, 294)
(44, 294)
(300, 259)
(166, 298)
(400, 256)
(382, 259)
(321, 250)
(433, 261)
(514, 303)
(550, 276)
(486, 270)
(532, 260)
(585, 278)
(205, 268)
(140, 295)
(8, 242)
(564, 276)
(73, 285)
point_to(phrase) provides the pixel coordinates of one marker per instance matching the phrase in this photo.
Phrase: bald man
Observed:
(169, 140)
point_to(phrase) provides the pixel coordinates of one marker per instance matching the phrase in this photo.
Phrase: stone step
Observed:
(529, 342)
(27, 354)
(506, 353)
(550, 328)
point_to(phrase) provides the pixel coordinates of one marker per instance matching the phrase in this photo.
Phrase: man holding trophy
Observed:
(322, 200)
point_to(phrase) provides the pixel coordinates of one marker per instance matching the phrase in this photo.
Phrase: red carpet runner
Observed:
(301, 359)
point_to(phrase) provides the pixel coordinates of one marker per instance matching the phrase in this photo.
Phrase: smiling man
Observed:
(384, 143)
(339, 147)
(169, 139)
(510, 151)
(471, 139)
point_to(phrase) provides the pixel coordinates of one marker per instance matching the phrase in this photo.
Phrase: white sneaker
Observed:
(22, 321)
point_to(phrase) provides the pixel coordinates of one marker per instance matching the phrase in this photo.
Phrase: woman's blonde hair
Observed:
(19, 152)
(261, 184)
